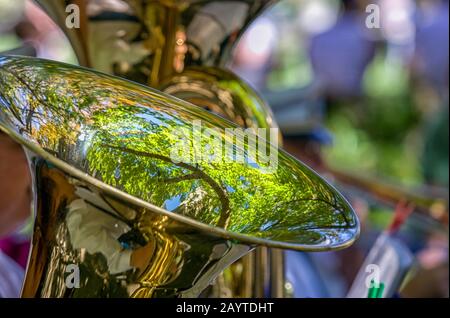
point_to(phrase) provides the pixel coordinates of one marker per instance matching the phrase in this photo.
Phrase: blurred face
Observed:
(15, 191)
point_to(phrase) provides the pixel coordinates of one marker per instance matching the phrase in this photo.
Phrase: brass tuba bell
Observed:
(181, 48)
(131, 190)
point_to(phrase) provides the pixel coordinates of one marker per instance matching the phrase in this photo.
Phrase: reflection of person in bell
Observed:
(95, 225)
(92, 229)
(100, 233)
(93, 236)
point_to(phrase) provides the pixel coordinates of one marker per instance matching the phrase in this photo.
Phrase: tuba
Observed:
(181, 47)
(139, 194)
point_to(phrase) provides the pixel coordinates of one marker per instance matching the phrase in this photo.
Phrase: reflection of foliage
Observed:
(123, 135)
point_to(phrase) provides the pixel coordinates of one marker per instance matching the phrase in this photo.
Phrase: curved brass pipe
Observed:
(113, 201)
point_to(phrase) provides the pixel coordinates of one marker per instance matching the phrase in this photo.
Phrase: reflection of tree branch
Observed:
(181, 178)
(224, 218)
(337, 208)
(12, 108)
(36, 114)
(324, 227)
(37, 96)
(24, 83)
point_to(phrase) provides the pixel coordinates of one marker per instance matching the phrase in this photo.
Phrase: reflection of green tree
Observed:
(41, 101)
(211, 191)
(108, 130)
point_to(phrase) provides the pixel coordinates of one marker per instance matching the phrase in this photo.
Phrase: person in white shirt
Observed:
(96, 227)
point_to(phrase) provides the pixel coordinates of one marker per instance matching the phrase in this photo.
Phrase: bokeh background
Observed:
(375, 101)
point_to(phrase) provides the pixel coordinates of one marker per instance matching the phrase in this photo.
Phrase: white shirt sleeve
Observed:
(98, 232)
(11, 277)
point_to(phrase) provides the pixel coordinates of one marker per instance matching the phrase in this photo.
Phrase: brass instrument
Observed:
(117, 197)
(181, 47)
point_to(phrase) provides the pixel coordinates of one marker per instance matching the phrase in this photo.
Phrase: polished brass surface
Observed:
(277, 275)
(109, 199)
